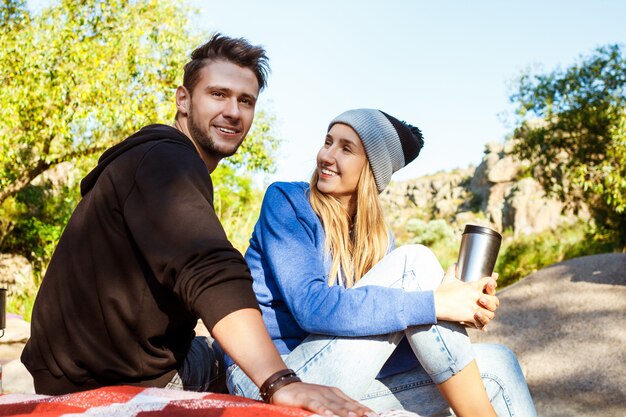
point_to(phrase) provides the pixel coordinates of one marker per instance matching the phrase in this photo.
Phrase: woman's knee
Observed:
(498, 361)
(497, 352)
(417, 254)
(423, 263)
(504, 380)
(411, 267)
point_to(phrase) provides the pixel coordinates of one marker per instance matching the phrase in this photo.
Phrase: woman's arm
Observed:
(291, 242)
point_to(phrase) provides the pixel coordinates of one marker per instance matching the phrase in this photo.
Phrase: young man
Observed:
(144, 256)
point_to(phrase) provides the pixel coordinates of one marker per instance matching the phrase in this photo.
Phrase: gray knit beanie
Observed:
(389, 143)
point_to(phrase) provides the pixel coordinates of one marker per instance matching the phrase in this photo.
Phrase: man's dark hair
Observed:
(235, 50)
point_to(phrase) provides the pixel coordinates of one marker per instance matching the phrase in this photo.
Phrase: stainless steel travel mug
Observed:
(478, 253)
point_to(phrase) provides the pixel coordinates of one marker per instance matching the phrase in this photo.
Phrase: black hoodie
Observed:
(142, 257)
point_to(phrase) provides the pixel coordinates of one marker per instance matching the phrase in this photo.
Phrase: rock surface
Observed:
(16, 274)
(15, 377)
(566, 324)
(498, 193)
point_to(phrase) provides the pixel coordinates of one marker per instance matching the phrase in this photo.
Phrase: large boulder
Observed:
(504, 170)
(528, 210)
(16, 274)
(495, 203)
(566, 325)
(15, 377)
(480, 185)
(496, 191)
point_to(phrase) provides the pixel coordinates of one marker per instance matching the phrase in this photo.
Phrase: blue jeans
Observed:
(444, 349)
(203, 368)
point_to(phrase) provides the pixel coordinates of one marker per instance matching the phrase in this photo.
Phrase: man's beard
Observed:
(204, 140)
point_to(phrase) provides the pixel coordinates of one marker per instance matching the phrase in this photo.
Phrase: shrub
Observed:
(39, 214)
(438, 235)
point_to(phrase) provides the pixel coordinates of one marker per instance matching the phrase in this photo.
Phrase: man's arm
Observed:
(243, 337)
(172, 220)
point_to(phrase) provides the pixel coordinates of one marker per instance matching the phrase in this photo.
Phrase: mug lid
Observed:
(472, 228)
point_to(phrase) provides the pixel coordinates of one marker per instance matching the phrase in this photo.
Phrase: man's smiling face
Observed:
(221, 108)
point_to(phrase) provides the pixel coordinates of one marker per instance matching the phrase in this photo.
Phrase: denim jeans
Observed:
(443, 349)
(202, 370)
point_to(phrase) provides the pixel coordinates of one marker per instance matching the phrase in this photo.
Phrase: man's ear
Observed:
(183, 100)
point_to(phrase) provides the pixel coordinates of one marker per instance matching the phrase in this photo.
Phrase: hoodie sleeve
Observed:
(169, 212)
(286, 237)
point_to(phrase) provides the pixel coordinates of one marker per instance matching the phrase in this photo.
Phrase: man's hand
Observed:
(243, 337)
(325, 401)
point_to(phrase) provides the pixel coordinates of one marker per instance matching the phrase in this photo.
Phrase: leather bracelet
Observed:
(274, 377)
(275, 382)
(286, 380)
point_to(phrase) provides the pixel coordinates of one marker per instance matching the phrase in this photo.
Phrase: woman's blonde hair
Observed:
(355, 245)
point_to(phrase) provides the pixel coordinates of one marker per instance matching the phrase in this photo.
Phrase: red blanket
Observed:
(129, 401)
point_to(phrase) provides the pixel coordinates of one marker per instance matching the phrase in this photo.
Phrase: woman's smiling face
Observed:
(339, 164)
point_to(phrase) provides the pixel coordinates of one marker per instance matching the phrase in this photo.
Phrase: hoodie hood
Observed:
(146, 134)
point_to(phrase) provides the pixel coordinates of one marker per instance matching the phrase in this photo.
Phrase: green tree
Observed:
(81, 75)
(573, 130)
(78, 77)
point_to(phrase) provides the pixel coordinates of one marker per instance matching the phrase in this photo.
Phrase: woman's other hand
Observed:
(325, 401)
(472, 304)
(490, 288)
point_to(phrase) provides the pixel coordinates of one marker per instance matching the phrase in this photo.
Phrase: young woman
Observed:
(344, 309)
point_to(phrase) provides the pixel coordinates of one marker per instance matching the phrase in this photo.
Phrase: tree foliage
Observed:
(36, 217)
(573, 130)
(78, 77)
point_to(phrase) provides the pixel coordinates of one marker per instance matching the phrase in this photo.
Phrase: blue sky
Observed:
(445, 66)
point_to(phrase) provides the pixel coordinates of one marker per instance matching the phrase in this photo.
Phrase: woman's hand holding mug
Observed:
(470, 303)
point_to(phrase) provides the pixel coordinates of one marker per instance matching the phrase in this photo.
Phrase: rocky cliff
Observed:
(498, 193)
